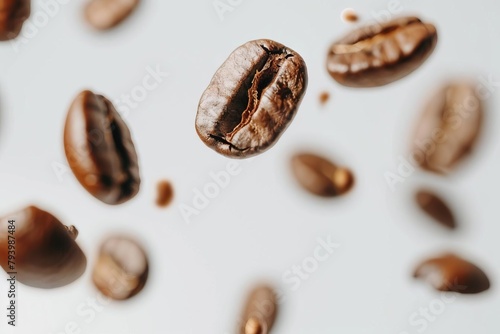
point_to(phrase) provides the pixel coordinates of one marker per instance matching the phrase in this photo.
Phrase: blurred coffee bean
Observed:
(251, 99)
(100, 150)
(449, 127)
(13, 13)
(321, 177)
(106, 14)
(45, 254)
(260, 311)
(435, 207)
(452, 273)
(122, 268)
(164, 193)
(379, 54)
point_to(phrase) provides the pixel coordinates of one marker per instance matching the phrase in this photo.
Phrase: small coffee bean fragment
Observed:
(122, 268)
(99, 149)
(251, 99)
(165, 193)
(320, 176)
(45, 251)
(435, 207)
(106, 14)
(349, 15)
(13, 13)
(379, 54)
(324, 97)
(260, 311)
(448, 128)
(449, 272)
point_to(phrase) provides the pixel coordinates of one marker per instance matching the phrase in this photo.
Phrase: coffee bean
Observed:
(13, 13)
(100, 150)
(320, 176)
(449, 272)
(349, 15)
(251, 99)
(260, 311)
(45, 252)
(324, 97)
(106, 14)
(165, 193)
(448, 128)
(435, 207)
(122, 268)
(379, 54)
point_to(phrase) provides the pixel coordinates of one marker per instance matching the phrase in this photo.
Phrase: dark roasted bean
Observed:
(13, 13)
(452, 273)
(321, 177)
(100, 150)
(46, 254)
(379, 54)
(251, 99)
(435, 207)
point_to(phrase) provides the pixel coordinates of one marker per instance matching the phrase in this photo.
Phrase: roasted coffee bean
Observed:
(260, 311)
(448, 128)
(165, 193)
(45, 254)
(251, 99)
(435, 207)
(379, 54)
(100, 150)
(122, 268)
(13, 13)
(320, 176)
(452, 273)
(106, 14)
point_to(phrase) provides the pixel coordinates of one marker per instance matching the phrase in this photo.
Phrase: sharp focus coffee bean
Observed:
(44, 254)
(452, 273)
(251, 99)
(100, 150)
(321, 177)
(106, 14)
(379, 54)
(448, 128)
(435, 207)
(13, 13)
(260, 311)
(122, 268)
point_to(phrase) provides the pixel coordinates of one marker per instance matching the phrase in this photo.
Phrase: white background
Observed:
(262, 223)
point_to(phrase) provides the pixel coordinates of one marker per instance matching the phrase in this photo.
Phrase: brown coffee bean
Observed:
(251, 99)
(106, 14)
(165, 193)
(13, 13)
(379, 54)
(260, 311)
(349, 15)
(321, 177)
(324, 97)
(452, 273)
(435, 207)
(43, 253)
(122, 268)
(448, 128)
(100, 150)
